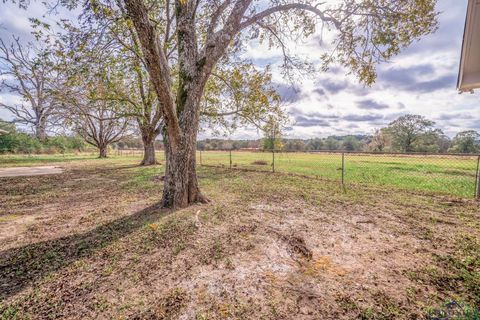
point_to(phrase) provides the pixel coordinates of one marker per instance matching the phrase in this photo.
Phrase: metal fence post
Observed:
(477, 180)
(230, 159)
(343, 168)
(273, 160)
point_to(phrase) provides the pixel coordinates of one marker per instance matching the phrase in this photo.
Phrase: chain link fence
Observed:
(449, 174)
(137, 153)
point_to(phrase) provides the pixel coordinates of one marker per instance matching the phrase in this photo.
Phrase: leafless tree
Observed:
(87, 109)
(99, 125)
(28, 72)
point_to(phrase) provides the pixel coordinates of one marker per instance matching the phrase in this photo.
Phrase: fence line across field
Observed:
(449, 174)
(444, 173)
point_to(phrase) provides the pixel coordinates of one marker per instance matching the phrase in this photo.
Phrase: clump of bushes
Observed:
(14, 141)
(260, 163)
(455, 311)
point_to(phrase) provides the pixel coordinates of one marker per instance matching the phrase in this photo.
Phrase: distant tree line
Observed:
(223, 144)
(17, 141)
(408, 133)
(350, 143)
(415, 133)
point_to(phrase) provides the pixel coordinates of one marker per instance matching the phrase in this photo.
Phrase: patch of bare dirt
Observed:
(29, 171)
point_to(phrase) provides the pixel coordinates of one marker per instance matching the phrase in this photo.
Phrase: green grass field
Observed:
(449, 175)
(19, 160)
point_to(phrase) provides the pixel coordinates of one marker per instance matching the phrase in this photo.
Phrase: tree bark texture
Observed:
(102, 151)
(180, 184)
(149, 157)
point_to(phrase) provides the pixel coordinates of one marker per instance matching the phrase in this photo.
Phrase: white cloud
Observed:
(423, 84)
(428, 64)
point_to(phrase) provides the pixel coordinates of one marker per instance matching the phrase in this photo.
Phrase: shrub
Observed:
(20, 142)
(260, 162)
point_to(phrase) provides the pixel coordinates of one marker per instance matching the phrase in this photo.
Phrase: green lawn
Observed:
(449, 175)
(19, 160)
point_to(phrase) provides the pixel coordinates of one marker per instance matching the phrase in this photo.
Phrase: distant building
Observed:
(469, 72)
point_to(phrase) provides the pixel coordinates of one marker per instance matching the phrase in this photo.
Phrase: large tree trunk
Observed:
(148, 153)
(103, 151)
(181, 115)
(181, 185)
(148, 139)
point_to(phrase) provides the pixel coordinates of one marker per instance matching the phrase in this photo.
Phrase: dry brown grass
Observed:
(92, 243)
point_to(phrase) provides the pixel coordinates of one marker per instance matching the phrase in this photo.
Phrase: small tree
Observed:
(350, 143)
(99, 125)
(315, 144)
(272, 135)
(466, 142)
(295, 145)
(430, 141)
(407, 130)
(380, 141)
(331, 144)
(87, 109)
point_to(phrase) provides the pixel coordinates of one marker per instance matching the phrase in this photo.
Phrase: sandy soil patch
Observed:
(29, 171)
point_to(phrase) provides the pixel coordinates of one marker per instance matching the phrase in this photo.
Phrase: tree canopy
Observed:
(29, 72)
(466, 142)
(408, 130)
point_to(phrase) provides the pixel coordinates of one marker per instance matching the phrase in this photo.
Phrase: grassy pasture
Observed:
(449, 175)
(42, 159)
(19, 160)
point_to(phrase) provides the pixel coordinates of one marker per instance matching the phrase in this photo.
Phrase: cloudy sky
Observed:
(421, 80)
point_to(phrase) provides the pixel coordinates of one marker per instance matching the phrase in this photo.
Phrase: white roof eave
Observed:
(469, 71)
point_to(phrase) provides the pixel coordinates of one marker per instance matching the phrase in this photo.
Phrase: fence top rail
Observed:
(353, 152)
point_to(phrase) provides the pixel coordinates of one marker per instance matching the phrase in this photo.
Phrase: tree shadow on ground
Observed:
(23, 266)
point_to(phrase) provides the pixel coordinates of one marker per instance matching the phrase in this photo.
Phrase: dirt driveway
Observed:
(29, 171)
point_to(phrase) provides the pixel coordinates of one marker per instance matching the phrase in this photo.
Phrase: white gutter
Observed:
(469, 71)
